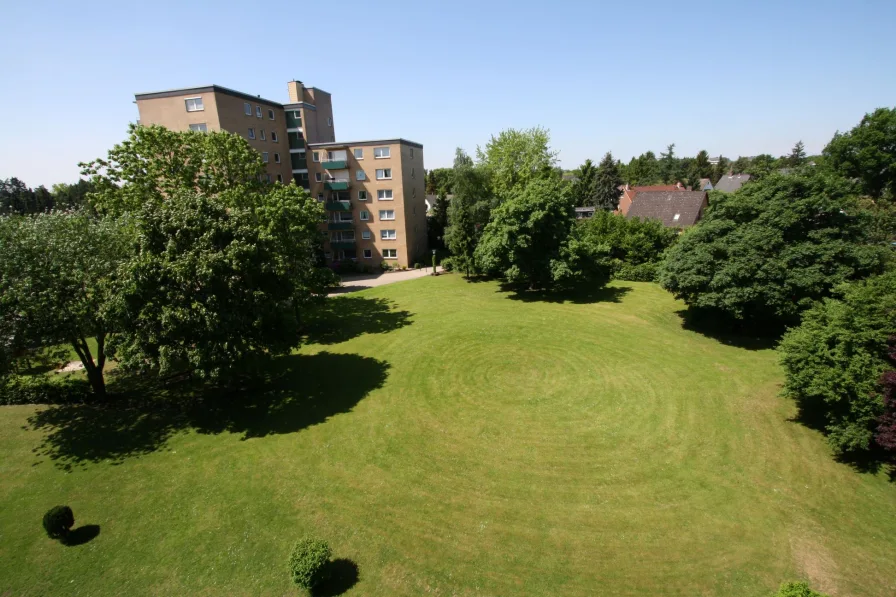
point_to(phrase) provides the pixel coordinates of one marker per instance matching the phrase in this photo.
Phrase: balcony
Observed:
(336, 185)
(338, 206)
(342, 244)
(340, 225)
(334, 164)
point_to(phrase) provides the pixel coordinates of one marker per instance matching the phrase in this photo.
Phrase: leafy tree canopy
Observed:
(607, 181)
(868, 153)
(632, 241)
(468, 211)
(515, 158)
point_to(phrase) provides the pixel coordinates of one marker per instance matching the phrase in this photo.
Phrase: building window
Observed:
(279, 178)
(362, 195)
(251, 133)
(365, 234)
(261, 134)
(388, 235)
(201, 127)
(384, 194)
(258, 111)
(194, 104)
(367, 253)
(304, 176)
(390, 253)
(412, 152)
(264, 157)
(365, 215)
(387, 214)
(328, 255)
(315, 157)
(267, 177)
(329, 121)
(359, 154)
(675, 219)
(384, 174)
(276, 158)
(270, 115)
(320, 197)
(317, 177)
(274, 136)
(381, 152)
(359, 175)
(248, 108)
(413, 174)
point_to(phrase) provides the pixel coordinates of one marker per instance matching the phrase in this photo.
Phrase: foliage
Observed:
(607, 181)
(468, 211)
(868, 153)
(643, 170)
(885, 435)
(770, 250)
(57, 272)
(702, 167)
(761, 166)
(308, 562)
(527, 236)
(631, 241)
(583, 187)
(17, 198)
(642, 272)
(72, 196)
(447, 264)
(719, 170)
(40, 389)
(515, 158)
(835, 359)
(437, 221)
(58, 521)
(669, 165)
(155, 162)
(797, 589)
(740, 165)
(797, 155)
(439, 180)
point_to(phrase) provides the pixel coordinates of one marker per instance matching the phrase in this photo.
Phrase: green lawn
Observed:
(451, 439)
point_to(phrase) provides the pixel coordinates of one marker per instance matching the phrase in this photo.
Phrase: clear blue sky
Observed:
(730, 77)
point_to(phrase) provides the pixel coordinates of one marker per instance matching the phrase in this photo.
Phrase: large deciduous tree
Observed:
(468, 211)
(836, 363)
(772, 249)
(868, 153)
(761, 166)
(606, 184)
(57, 282)
(515, 158)
(643, 170)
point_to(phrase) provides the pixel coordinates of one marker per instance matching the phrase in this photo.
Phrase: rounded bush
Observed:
(308, 562)
(447, 264)
(57, 521)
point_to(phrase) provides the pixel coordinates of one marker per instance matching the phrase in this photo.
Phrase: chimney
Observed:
(628, 187)
(678, 185)
(295, 91)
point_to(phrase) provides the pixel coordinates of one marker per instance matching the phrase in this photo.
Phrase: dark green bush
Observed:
(447, 264)
(40, 389)
(418, 265)
(308, 562)
(797, 589)
(643, 272)
(57, 522)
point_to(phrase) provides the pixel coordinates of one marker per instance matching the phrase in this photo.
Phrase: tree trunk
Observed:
(93, 369)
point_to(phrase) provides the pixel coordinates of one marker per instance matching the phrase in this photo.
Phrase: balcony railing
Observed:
(334, 164)
(342, 244)
(338, 206)
(336, 185)
(340, 225)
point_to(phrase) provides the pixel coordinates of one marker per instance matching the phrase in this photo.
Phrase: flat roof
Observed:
(219, 89)
(373, 142)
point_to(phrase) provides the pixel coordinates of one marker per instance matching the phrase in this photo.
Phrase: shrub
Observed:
(797, 589)
(643, 272)
(57, 522)
(447, 264)
(40, 389)
(386, 266)
(308, 562)
(418, 265)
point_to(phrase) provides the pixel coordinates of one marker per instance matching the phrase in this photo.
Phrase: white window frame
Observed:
(258, 112)
(381, 195)
(315, 156)
(270, 114)
(389, 234)
(251, 133)
(390, 253)
(265, 157)
(365, 215)
(677, 216)
(204, 128)
(381, 174)
(412, 152)
(247, 108)
(279, 178)
(385, 218)
(382, 153)
(276, 158)
(317, 177)
(320, 197)
(196, 101)
(274, 138)
(329, 121)
(362, 195)
(365, 235)
(359, 175)
(366, 253)
(359, 153)
(261, 134)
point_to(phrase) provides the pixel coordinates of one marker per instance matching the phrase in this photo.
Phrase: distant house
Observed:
(675, 209)
(583, 213)
(629, 193)
(705, 184)
(731, 182)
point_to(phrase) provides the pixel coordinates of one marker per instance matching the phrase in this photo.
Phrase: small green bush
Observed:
(308, 562)
(644, 272)
(41, 389)
(447, 264)
(418, 265)
(57, 522)
(386, 266)
(797, 589)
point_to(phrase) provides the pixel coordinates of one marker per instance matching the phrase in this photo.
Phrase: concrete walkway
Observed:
(355, 282)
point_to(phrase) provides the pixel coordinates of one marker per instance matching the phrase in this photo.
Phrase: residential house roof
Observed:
(731, 182)
(675, 209)
(705, 184)
(629, 193)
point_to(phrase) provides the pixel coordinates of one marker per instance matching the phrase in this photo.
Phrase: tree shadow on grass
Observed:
(343, 575)
(579, 295)
(81, 535)
(344, 317)
(298, 392)
(730, 332)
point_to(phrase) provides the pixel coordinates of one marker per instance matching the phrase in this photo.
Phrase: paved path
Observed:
(355, 282)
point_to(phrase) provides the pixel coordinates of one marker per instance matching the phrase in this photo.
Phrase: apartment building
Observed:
(279, 132)
(373, 191)
(375, 196)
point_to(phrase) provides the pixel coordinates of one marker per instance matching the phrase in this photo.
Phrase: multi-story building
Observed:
(373, 191)
(278, 131)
